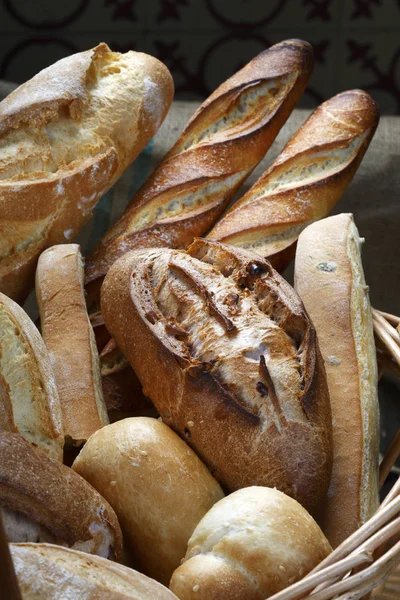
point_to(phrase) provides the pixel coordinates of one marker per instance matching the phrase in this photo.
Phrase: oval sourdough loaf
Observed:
(249, 546)
(305, 181)
(224, 348)
(43, 500)
(49, 572)
(222, 143)
(157, 486)
(65, 137)
(330, 280)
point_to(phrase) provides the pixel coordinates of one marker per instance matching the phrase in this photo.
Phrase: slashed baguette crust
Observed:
(330, 280)
(157, 486)
(305, 181)
(54, 573)
(220, 146)
(70, 340)
(29, 401)
(223, 347)
(46, 500)
(250, 545)
(65, 137)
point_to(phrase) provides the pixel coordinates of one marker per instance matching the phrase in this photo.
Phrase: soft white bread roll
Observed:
(249, 546)
(49, 572)
(43, 500)
(70, 340)
(65, 138)
(29, 402)
(157, 486)
(330, 280)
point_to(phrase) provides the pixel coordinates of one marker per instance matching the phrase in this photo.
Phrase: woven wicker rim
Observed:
(362, 563)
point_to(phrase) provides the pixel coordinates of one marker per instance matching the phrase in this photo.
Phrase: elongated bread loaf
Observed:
(65, 137)
(29, 401)
(220, 146)
(223, 347)
(70, 340)
(306, 180)
(157, 486)
(43, 500)
(49, 572)
(330, 280)
(250, 545)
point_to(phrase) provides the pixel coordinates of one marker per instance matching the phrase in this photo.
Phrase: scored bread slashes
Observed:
(223, 347)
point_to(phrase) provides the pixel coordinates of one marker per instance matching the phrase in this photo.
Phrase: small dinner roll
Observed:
(156, 484)
(249, 546)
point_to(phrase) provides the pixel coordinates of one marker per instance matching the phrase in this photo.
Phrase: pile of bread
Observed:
(244, 433)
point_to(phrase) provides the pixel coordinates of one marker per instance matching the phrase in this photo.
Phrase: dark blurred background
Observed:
(356, 42)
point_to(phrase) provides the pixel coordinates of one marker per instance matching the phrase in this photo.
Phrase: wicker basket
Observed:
(367, 564)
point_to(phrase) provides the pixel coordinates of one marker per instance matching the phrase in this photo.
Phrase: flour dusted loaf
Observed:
(222, 143)
(65, 137)
(43, 500)
(249, 546)
(29, 401)
(49, 572)
(224, 348)
(330, 280)
(157, 486)
(305, 181)
(70, 341)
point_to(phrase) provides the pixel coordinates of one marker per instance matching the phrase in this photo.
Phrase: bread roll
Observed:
(70, 340)
(305, 181)
(224, 348)
(157, 486)
(249, 546)
(52, 573)
(43, 500)
(66, 137)
(330, 280)
(222, 143)
(29, 402)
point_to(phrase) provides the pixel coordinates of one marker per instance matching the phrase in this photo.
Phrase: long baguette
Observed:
(70, 340)
(29, 401)
(305, 181)
(329, 279)
(220, 146)
(66, 137)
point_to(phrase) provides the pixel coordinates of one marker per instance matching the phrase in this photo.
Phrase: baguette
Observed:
(249, 546)
(29, 401)
(157, 486)
(43, 500)
(70, 340)
(49, 572)
(305, 181)
(223, 347)
(329, 278)
(220, 146)
(66, 137)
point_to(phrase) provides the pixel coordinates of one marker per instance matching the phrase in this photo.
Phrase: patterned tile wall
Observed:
(356, 42)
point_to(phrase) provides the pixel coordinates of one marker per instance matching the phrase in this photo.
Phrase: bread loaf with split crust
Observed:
(222, 143)
(66, 136)
(224, 348)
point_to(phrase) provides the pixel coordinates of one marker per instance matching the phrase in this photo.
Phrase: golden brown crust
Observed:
(67, 135)
(52, 495)
(232, 364)
(157, 486)
(69, 338)
(51, 572)
(29, 401)
(306, 180)
(222, 143)
(249, 546)
(330, 281)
